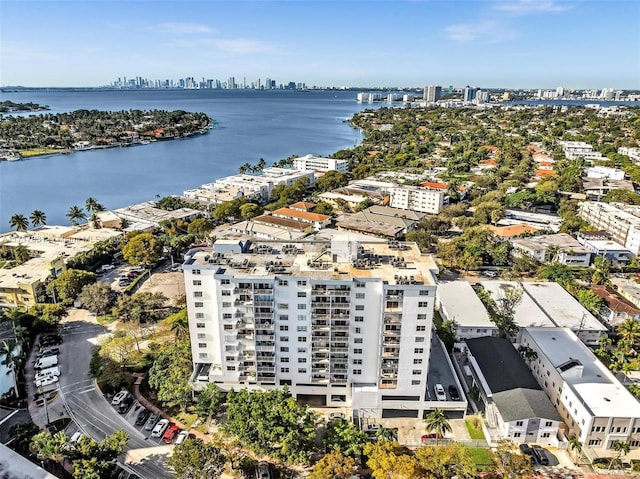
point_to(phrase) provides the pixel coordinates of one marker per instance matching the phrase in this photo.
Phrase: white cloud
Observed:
(526, 7)
(229, 46)
(179, 28)
(481, 32)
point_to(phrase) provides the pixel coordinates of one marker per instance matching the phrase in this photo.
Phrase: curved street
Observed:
(79, 398)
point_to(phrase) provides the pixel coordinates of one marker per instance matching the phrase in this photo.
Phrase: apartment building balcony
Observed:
(230, 336)
(335, 351)
(319, 379)
(331, 292)
(320, 336)
(264, 338)
(340, 300)
(392, 318)
(320, 315)
(263, 291)
(339, 379)
(264, 326)
(392, 332)
(242, 290)
(340, 328)
(391, 354)
(388, 384)
(262, 316)
(250, 377)
(389, 375)
(243, 302)
(320, 303)
(320, 348)
(263, 304)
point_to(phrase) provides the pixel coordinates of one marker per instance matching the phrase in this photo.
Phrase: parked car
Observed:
(49, 351)
(160, 428)
(46, 381)
(453, 393)
(50, 340)
(54, 371)
(182, 436)
(125, 405)
(171, 434)
(151, 422)
(142, 417)
(46, 362)
(527, 451)
(440, 394)
(432, 435)
(540, 455)
(107, 267)
(118, 398)
(263, 471)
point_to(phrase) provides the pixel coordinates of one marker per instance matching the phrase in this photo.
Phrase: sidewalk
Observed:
(156, 410)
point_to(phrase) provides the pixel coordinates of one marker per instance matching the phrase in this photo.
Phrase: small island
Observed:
(45, 134)
(8, 106)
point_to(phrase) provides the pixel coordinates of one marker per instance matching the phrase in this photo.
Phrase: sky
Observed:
(484, 43)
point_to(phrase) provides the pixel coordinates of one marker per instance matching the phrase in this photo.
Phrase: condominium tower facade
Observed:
(341, 323)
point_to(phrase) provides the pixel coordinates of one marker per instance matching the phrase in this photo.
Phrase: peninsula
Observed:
(45, 134)
(8, 106)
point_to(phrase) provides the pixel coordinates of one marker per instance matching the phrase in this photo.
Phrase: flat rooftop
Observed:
(561, 240)
(528, 314)
(340, 260)
(148, 212)
(599, 390)
(462, 305)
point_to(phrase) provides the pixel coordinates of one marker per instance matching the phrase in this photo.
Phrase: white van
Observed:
(47, 372)
(46, 362)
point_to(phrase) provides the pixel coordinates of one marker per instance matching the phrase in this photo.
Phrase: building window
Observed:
(199, 325)
(302, 317)
(548, 424)
(198, 304)
(359, 307)
(202, 345)
(229, 358)
(302, 339)
(545, 435)
(283, 317)
(302, 370)
(302, 294)
(357, 361)
(358, 341)
(199, 315)
(302, 283)
(417, 372)
(516, 434)
(358, 330)
(357, 351)
(302, 350)
(284, 349)
(415, 382)
(226, 316)
(224, 282)
(302, 306)
(421, 328)
(202, 336)
(357, 371)
(422, 316)
(594, 442)
(197, 294)
(284, 370)
(519, 423)
(419, 339)
(203, 355)
(417, 361)
(226, 304)
(302, 329)
(197, 282)
(359, 319)
(423, 304)
(359, 295)
(283, 306)
(418, 351)
(284, 360)
(228, 327)
(225, 292)
(284, 327)
(424, 292)
(284, 339)
(196, 271)
(283, 282)
(302, 360)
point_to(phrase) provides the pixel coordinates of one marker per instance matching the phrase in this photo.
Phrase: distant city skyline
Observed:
(516, 44)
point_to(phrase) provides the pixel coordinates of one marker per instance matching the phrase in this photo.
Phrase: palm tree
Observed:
(92, 205)
(95, 222)
(19, 222)
(38, 218)
(576, 446)
(21, 254)
(629, 331)
(75, 214)
(622, 448)
(452, 189)
(387, 434)
(9, 360)
(436, 421)
(180, 325)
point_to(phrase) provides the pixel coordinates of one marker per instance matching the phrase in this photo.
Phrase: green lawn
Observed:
(474, 432)
(480, 456)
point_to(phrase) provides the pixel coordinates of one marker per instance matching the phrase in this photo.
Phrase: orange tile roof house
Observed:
(617, 309)
(512, 230)
(303, 206)
(317, 220)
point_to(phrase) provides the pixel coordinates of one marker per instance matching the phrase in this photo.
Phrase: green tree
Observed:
(590, 300)
(387, 434)
(194, 459)
(505, 311)
(19, 222)
(445, 461)
(447, 333)
(201, 228)
(323, 208)
(20, 436)
(436, 421)
(143, 248)
(21, 253)
(170, 373)
(209, 401)
(331, 180)
(272, 422)
(97, 298)
(250, 210)
(48, 447)
(504, 463)
(622, 449)
(96, 460)
(622, 196)
(334, 465)
(344, 436)
(629, 332)
(76, 215)
(92, 205)
(179, 324)
(68, 285)
(38, 218)
(575, 446)
(387, 459)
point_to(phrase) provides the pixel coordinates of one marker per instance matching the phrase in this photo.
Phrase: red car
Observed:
(171, 434)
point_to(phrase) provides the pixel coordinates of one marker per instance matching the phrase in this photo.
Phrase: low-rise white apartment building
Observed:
(596, 408)
(416, 199)
(632, 153)
(579, 149)
(622, 222)
(316, 163)
(341, 323)
(557, 248)
(605, 172)
(457, 301)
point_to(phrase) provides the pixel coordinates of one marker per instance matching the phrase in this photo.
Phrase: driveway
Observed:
(79, 398)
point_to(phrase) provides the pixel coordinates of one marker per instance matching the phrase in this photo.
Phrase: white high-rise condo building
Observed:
(341, 323)
(316, 163)
(432, 93)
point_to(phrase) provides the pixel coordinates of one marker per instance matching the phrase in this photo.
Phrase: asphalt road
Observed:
(89, 409)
